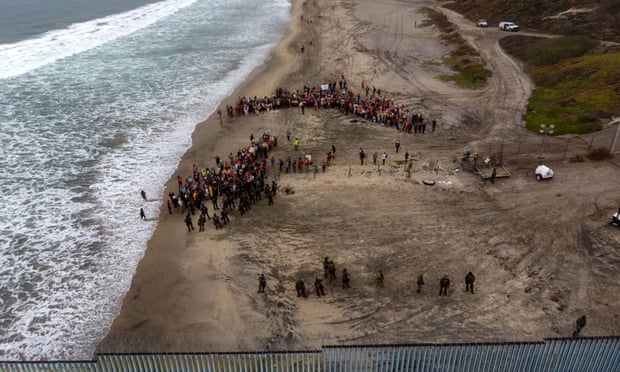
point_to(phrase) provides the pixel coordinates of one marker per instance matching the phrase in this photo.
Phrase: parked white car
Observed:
(543, 172)
(615, 218)
(482, 23)
(509, 26)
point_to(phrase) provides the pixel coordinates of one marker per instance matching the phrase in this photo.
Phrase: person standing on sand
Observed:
(318, 285)
(300, 287)
(262, 283)
(397, 145)
(420, 283)
(216, 222)
(204, 210)
(225, 219)
(333, 151)
(296, 144)
(345, 279)
(326, 266)
(579, 324)
(142, 214)
(384, 157)
(362, 156)
(469, 282)
(374, 158)
(143, 195)
(201, 223)
(188, 222)
(444, 284)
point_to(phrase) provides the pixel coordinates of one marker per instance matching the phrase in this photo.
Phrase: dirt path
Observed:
(507, 93)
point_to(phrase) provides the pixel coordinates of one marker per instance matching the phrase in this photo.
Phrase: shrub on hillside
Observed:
(599, 153)
(550, 51)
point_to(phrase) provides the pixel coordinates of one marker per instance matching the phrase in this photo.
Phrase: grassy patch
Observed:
(470, 71)
(578, 83)
(430, 62)
(576, 94)
(549, 51)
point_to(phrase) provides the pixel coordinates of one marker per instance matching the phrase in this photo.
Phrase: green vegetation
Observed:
(577, 79)
(577, 87)
(550, 51)
(470, 71)
(578, 82)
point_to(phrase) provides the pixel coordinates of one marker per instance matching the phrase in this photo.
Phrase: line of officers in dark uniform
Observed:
(329, 268)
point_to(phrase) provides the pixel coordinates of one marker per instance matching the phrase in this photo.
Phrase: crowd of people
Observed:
(239, 180)
(372, 106)
(235, 182)
(329, 273)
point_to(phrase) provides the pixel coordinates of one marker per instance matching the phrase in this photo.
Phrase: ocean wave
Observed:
(81, 138)
(28, 55)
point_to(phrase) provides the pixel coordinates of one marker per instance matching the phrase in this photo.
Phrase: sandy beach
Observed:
(541, 252)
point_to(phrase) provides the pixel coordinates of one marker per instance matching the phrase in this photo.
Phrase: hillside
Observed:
(577, 73)
(577, 81)
(594, 19)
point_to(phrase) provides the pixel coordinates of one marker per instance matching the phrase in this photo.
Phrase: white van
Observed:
(508, 26)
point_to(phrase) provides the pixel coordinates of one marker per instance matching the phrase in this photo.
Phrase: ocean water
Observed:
(98, 101)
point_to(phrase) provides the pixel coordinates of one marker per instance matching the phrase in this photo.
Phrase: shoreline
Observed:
(279, 65)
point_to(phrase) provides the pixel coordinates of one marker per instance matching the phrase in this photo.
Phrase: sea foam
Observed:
(24, 56)
(80, 138)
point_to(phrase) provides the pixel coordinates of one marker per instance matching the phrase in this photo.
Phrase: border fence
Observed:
(561, 354)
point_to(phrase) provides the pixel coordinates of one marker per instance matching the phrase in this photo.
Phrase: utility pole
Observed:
(544, 130)
(613, 144)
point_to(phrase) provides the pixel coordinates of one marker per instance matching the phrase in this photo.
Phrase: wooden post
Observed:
(566, 149)
(501, 154)
(349, 171)
(613, 144)
(590, 147)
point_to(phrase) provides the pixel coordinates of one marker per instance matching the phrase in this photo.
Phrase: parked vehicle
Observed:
(508, 26)
(482, 23)
(615, 218)
(543, 172)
